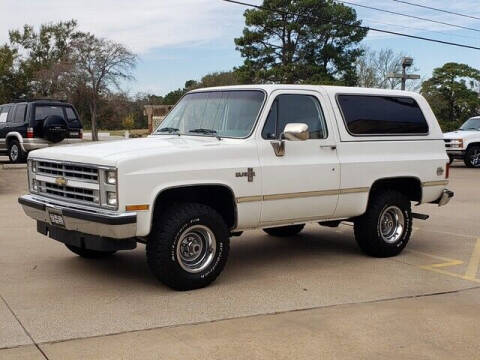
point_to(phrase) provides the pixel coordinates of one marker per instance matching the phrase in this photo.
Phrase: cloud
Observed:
(142, 25)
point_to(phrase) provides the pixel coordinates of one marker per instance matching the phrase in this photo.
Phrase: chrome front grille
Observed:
(83, 184)
(68, 192)
(68, 171)
(67, 181)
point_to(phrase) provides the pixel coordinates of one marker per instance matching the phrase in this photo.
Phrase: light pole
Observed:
(406, 62)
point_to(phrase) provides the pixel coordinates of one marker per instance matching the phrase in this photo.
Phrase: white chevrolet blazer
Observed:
(230, 159)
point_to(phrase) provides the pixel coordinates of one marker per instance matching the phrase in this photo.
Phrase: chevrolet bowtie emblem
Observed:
(60, 181)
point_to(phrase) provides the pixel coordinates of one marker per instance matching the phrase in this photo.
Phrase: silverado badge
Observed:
(248, 174)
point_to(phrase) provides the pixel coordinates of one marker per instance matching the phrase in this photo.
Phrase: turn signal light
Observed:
(29, 133)
(137, 207)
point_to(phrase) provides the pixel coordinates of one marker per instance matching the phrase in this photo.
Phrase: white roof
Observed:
(329, 89)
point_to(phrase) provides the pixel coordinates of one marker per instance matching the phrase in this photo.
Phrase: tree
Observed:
(99, 65)
(300, 41)
(374, 67)
(453, 93)
(13, 82)
(220, 78)
(46, 55)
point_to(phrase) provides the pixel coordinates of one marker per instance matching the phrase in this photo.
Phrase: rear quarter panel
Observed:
(366, 159)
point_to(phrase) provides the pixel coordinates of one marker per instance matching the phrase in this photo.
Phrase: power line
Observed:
(423, 29)
(436, 9)
(355, 26)
(406, 15)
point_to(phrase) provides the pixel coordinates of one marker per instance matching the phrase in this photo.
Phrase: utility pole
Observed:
(406, 62)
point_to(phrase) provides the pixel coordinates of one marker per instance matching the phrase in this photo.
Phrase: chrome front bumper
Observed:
(93, 222)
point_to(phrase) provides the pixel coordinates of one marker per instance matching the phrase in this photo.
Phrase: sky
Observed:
(179, 40)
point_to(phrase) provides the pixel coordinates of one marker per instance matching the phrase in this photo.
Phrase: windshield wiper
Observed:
(169, 130)
(206, 132)
(470, 129)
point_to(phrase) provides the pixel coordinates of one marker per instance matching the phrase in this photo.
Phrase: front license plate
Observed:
(57, 219)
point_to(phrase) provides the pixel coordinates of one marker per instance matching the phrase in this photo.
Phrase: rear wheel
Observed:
(385, 228)
(450, 159)
(89, 254)
(285, 231)
(188, 246)
(472, 157)
(15, 152)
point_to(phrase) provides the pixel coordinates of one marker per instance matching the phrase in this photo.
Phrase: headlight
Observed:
(34, 185)
(34, 166)
(108, 188)
(457, 143)
(111, 177)
(111, 198)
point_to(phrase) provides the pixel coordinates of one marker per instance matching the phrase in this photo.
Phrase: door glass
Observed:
(290, 108)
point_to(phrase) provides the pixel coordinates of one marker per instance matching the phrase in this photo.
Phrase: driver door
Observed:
(302, 184)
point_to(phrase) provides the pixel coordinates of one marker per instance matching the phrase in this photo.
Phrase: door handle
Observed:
(332, 147)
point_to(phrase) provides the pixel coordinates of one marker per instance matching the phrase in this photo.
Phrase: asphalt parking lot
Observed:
(310, 296)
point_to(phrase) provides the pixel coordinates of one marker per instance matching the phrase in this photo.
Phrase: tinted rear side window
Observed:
(43, 111)
(382, 115)
(70, 114)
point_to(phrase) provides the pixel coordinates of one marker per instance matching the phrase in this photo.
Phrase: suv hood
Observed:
(111, 152)
(460, 134)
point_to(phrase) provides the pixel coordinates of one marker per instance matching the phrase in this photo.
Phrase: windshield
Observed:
(214, 113)
(471, 124)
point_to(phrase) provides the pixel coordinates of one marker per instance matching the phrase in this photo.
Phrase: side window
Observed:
(19, 115)
(70, 114)
(382, 115)
(4, 113)
(295, 109)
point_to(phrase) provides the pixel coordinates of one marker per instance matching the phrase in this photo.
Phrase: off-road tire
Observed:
(469, 154)
(89, 254)
(367, 227)
(167, 230)
(15, 152)
(284, 231)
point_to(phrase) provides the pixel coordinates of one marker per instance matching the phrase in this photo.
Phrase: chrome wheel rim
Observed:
(391, 224)
(196, 248)
(14, 152)
(475, 158)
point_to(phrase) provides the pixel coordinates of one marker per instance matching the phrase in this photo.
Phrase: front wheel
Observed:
(188, 246)
(385, 228)
(472, 157)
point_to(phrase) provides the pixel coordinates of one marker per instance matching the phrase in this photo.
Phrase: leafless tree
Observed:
(100, 65)
(374, 67)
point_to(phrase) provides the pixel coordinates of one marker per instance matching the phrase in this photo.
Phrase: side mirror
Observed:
(296, 132)
(292, 132)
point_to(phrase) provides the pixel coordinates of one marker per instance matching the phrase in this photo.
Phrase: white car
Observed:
(230, 159)
(464, 143)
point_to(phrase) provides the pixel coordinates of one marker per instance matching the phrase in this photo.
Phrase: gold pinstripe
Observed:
(299, 195)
